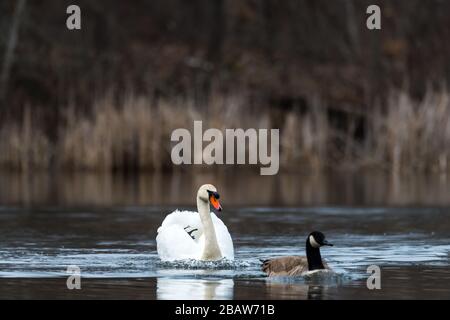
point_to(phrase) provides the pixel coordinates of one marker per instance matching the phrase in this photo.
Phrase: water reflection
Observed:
(107, 225)
(238, 187)
(295, 290)
(287, 291)
(194, 289)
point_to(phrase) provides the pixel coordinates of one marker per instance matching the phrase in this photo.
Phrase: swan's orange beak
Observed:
(215, 203)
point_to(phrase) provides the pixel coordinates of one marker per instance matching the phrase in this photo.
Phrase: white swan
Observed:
(192, 235)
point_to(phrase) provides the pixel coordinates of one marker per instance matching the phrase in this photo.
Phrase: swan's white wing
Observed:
(173, 241)
(223, 238)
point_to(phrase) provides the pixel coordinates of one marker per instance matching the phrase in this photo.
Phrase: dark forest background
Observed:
(108, 96)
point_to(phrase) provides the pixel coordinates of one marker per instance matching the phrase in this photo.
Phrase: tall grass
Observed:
(129, 135)
(23, 145)
(305, 138)
(412, 135)
(134, 134)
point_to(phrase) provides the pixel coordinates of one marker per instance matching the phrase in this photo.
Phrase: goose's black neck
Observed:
(314, 257)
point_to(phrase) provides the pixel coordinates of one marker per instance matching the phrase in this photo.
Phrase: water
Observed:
(110, 235)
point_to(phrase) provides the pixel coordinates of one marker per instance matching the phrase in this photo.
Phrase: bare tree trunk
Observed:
(10, 47)
(217, 33)
(352, 26)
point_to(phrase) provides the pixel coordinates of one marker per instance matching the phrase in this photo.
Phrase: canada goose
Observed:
(195, 235)
(296, 265)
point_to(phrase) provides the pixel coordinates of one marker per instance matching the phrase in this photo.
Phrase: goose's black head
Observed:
(316, 239)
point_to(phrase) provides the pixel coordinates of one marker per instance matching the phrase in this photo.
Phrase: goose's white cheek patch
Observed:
(313, 242)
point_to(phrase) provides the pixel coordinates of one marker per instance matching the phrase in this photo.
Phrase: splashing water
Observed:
(121, 245)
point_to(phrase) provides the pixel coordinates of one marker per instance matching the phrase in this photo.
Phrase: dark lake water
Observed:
(106, 225)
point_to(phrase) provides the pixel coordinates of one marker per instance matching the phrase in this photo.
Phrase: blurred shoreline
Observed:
(132, 134)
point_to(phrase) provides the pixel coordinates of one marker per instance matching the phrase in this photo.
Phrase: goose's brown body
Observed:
(287, 266)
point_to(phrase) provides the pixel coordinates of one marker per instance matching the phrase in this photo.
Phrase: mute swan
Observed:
(296, 265)
(195, 235)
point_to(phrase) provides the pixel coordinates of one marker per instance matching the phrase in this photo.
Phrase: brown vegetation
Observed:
(133, 134)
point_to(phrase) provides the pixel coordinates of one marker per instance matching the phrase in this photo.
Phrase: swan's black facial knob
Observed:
(214, 193)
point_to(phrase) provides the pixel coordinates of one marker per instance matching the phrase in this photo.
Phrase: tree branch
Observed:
(11, 45)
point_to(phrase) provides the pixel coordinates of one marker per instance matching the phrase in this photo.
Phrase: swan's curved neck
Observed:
(211, 250)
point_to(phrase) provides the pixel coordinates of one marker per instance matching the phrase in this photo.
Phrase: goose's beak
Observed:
(326, 243)
(215, 203)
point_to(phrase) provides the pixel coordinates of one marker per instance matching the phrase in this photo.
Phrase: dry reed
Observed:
(405, 134)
